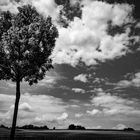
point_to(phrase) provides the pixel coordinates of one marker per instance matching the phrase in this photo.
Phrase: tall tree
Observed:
(27, 40)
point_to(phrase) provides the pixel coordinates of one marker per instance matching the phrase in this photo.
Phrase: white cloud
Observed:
(32, 109)
(44, 7)
(4, 2)
(98, 80)
(78, 115)
(134, 81)
(25, 106)
(81, 41)
(93, 112)
(50, 79)
(47, 7)
(82, 78)
(78, 90)
(9, 5)
(63, 116)
(113, 104)
(97, 90)
(10, 84)
(74, 106)
(120, 127)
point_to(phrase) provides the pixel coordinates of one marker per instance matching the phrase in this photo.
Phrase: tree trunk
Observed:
(12, 134)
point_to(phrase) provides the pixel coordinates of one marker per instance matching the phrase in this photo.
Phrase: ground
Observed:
(71, 135)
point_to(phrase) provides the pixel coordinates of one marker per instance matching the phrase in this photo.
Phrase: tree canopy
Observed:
(26, 42)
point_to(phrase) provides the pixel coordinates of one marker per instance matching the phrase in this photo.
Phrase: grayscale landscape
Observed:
(69, 69)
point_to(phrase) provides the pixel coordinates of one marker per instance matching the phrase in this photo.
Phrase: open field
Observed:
(71, 135)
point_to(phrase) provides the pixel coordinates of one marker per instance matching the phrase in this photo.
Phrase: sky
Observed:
(96, 77)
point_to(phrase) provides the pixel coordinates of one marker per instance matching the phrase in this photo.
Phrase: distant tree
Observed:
(26, 42)
(30, 126)
(3, 126)
(76, 127)
(45, 127)
(71, 127)
(128, 129)
(79, 127)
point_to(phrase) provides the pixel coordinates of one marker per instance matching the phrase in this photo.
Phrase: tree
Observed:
(76, 127)
(27, 40)
(71, 127)
(129, 129)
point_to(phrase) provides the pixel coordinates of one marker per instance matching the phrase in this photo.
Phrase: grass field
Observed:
(71, 135)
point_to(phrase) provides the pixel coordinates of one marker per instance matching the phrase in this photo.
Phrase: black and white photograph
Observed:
(69, 69)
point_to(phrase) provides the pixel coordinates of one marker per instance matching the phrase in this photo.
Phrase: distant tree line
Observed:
(128, 129)
(3, 126)
(33, 127)
(30, 126)
(70, 127)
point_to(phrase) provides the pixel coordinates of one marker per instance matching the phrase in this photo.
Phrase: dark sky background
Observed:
(96, 77)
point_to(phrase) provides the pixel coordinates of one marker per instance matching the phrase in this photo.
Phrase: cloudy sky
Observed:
(96, 77)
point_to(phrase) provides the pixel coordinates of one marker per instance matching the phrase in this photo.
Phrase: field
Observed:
(71, 135)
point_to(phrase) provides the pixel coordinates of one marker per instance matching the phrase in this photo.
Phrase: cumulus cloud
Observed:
(9, 5)
(74, 106)
(97, 90)
(63, 116)
(4, 2)
(134, 82)
(93, 112)
(25, 106)
(98, 80)
(113, 104)
(78, 115)
(50, 79)
(81, 77)
(78, 90)
(44, 7)
(10, 84)
(86, 40)
(47, 7)
(32, 109)
(120, 127)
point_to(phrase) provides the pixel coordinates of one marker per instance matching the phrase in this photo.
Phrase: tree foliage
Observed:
(26, 42)
(76, 127)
